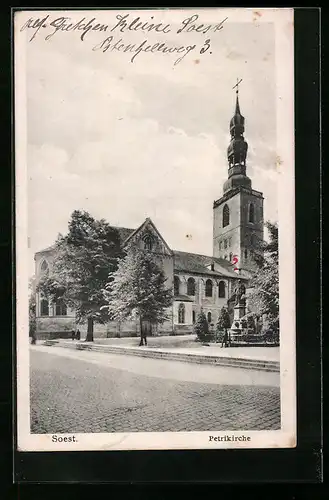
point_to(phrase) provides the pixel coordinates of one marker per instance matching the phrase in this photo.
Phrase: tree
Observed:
(264, 296)
(138, 288)
(83, 260)
(201, 326)
(223, 322)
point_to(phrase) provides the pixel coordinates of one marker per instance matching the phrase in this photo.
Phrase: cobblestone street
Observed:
(73, 395)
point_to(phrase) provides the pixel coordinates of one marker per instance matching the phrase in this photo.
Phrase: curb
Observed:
(253, 364)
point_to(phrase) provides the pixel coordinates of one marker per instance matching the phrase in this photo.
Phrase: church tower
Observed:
(238, 215)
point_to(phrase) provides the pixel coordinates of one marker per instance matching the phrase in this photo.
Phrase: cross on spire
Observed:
(237, 106)
(237, 85)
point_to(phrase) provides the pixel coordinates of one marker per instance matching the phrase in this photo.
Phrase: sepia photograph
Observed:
(155, 229)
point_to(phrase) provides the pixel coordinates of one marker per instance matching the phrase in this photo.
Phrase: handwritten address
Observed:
(117, 35)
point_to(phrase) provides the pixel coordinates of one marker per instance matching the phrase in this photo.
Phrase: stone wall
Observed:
(54, 326)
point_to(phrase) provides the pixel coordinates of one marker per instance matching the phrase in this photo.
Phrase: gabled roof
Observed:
(196, 263)
(149, 222)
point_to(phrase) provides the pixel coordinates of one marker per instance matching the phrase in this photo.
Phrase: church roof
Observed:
(185, 261)
(202, 264)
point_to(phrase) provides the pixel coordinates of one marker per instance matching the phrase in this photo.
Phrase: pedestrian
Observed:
(33, 337)
(225, 339)
(72, 334)
(78, 334)
(144, 331)
(143, 339)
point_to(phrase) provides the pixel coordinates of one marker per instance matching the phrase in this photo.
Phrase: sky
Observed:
(128, 140)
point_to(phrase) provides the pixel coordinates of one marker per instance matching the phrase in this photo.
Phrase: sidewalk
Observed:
(258, 358)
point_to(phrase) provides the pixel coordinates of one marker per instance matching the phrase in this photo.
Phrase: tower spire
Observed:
(237, 149)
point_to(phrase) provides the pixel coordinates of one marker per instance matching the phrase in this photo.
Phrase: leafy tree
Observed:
(138, 288)
(264, 296)
(201, 326)
(83, 260)
(223, 322)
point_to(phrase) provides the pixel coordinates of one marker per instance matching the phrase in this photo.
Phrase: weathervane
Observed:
(237, 85)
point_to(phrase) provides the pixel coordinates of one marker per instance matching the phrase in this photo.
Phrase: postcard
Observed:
(155, 229)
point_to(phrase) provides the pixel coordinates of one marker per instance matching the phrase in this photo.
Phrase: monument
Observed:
(239, 294)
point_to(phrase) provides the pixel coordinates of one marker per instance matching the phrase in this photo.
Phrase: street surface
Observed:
(84, 392)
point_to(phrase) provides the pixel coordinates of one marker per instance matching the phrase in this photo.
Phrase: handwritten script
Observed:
(117, 36)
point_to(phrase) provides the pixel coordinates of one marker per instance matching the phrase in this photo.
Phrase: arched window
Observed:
(221, 289)
(181, 313)
(229, 241)
(251, 213)
(60, 308)
(225, 243)
(246, 254)
(208, 288)
(148, 242)
(231, 256)
(176, 285)
(191, 286)
(44, 307)
(252, 240)
(193, 316)
(44, 268)
(209, 317)
(220, 245)
(226, 216)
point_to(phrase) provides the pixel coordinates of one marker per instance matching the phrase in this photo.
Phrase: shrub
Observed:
(244, 324)
(223, 323)
(201, 326)
(251, 321)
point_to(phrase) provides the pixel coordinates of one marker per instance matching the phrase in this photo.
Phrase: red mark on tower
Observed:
(235, 260)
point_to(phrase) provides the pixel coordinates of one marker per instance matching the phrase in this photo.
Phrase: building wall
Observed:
(62, 325)
(199, 301)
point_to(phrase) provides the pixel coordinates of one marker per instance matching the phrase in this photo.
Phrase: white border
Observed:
(284, 438)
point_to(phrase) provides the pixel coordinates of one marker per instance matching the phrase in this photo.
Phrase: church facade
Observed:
(197, 281)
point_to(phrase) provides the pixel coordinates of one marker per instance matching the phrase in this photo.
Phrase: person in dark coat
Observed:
(78, 335)
(143, 340)
(72, 334)
(225, 339)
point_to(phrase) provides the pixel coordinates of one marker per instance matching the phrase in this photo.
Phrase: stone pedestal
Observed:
(239, 312)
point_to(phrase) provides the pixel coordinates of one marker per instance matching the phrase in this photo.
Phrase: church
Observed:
(198, 281)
